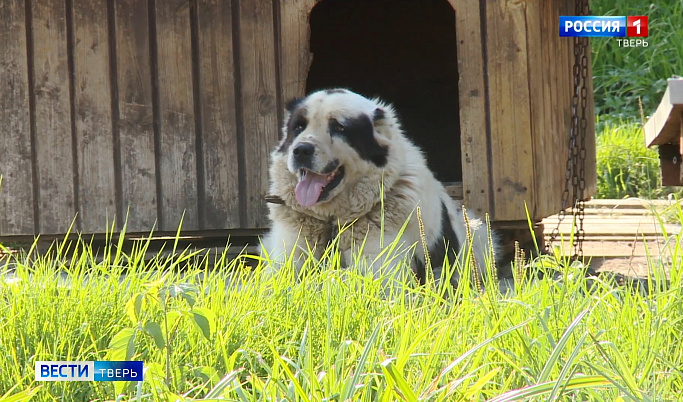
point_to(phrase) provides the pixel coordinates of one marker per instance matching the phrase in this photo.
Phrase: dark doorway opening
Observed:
(403, 51)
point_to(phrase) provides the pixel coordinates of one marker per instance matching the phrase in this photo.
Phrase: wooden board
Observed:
(474, 130)
(177, 147)
(218, 115)
(608, 248)
(93, 120)
(590, 163)
(549, 135)
(16, 189)
(295, 54)
(664, 127)
(54, 143)
(620, 227)
(259, 114)
(135, 130)
(538, 67)
(511, 141)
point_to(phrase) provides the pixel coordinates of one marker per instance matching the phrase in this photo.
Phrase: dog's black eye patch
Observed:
(296, 125)
(336, 127)
(358, 132)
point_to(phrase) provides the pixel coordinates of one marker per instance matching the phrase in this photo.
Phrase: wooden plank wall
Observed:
(295, 56)
(512, 157)
(16, 189)
(153, 109)
(475, 136)
(162, 110)
(529, 72)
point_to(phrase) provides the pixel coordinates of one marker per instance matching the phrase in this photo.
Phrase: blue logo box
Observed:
(118, 370)
(88, 371)
(590, 26)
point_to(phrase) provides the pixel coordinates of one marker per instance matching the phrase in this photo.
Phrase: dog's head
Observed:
(332, 140)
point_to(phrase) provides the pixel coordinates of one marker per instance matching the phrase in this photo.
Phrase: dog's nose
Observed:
(303, 151)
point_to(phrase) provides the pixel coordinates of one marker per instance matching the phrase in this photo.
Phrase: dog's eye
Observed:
(336, 126)
(298, 126)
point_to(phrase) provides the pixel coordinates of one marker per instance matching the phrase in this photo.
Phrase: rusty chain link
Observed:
(575, 172)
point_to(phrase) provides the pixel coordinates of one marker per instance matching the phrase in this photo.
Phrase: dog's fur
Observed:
(339, 130)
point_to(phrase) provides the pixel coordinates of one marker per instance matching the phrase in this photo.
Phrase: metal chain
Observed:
(575, 172)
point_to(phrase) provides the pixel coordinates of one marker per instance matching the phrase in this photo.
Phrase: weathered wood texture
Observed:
(530, 87)
(474, 131)
(134, 122)
(93, 117)
(177, 150)
(130, 109)
(512, 148)
(259, 102)
(53, 146)
(549, 82)
(16, 189)
(295, 56)
(155, 109)
(218, 117)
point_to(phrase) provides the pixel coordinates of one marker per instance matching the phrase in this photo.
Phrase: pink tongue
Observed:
(308, 190)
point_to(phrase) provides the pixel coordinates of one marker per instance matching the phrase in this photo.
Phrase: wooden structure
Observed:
(630, 227)
(665, 129)
(167, 110)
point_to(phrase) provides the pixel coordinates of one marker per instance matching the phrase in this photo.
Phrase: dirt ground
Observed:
(629, 266)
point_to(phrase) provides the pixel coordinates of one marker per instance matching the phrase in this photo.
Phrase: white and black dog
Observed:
(344, 161)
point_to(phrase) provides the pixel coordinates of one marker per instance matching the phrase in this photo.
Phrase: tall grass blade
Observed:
(539, 390)
(559, 348)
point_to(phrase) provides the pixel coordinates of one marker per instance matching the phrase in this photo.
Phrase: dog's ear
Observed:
(378, 115)
(384, 121)
(293, 104)
(290, 107)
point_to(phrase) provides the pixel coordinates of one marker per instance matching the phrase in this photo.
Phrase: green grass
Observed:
(623, 76)
(334, 335)
(625, 167)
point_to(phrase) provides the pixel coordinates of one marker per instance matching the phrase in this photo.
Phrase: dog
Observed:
(344, 162)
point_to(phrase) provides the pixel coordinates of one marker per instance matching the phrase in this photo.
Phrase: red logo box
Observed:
(636, 26)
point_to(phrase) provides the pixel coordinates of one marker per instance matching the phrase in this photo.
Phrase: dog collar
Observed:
(274, 199)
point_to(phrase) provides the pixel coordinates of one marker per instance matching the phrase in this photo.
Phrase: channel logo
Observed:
(89, 371)
(637, 26)
(595, 27)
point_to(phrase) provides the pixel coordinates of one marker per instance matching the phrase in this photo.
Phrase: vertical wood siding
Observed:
(16, 190)
(474, 131)
(528, 73)
(162, 110)
(130, 108)
(134, 115)
(54, 138)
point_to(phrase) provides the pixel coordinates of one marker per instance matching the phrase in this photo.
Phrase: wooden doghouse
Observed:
(665, 129)
(166, 110)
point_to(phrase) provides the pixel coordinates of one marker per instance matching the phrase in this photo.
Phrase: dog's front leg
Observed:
(294, 238)
(368, 251)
